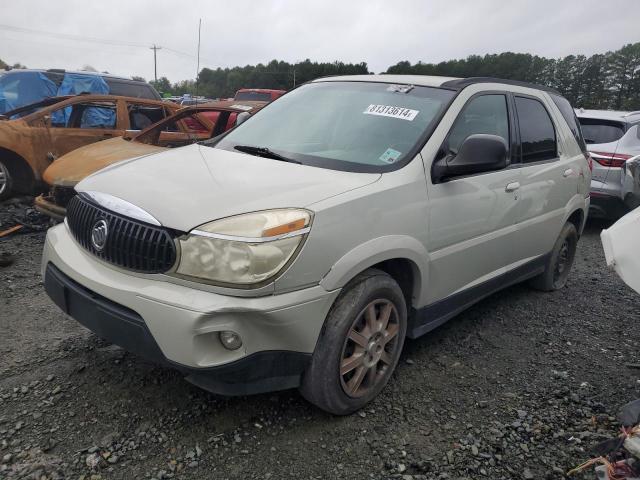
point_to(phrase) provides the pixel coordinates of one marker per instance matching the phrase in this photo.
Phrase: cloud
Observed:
(242, 32)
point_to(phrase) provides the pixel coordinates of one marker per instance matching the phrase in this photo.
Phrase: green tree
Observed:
(610, 80)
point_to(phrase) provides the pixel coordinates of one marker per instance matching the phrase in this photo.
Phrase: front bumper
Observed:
(177, 325)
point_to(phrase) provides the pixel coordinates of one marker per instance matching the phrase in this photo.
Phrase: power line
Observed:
(103, 41)
(66, 36)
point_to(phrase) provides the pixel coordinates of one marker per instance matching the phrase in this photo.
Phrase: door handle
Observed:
(568, 172)
(512, 187)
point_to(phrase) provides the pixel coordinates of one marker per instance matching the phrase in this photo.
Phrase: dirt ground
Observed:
(520, 386)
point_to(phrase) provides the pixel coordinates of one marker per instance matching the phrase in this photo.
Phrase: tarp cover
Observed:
(93, 117)
(18, 89)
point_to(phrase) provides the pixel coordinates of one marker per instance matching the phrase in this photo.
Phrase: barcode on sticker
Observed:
(391, 111)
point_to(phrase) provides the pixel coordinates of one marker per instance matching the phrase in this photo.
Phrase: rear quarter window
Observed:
(569, 116)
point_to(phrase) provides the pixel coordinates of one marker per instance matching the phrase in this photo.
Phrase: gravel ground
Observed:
(517, 387)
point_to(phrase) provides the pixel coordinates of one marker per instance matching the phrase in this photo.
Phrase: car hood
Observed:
(186, 187)
(69, 169)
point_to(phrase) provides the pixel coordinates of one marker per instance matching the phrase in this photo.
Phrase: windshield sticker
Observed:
(390, 155)
(391, 111)
(245, 108)
(400, 88)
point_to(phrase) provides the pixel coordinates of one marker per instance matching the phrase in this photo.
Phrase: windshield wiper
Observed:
(264, 152)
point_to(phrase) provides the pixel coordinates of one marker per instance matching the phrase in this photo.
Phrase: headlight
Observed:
(243, 250)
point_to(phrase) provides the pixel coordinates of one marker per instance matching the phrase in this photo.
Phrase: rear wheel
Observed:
(560, 262)
(360, 345)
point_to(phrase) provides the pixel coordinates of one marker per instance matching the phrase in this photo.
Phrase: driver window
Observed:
(484, 114)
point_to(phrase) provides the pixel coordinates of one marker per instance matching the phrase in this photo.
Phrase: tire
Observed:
(560, 261)
(356, 338)
(6, 181)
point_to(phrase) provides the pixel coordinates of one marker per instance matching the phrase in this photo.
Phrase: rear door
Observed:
(472, 218)
(551, 170)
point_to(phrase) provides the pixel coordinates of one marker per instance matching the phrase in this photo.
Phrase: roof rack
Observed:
(465, 82)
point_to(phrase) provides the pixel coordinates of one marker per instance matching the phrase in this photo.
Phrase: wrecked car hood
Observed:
(186, 187)
(78, 164)
(620, 243)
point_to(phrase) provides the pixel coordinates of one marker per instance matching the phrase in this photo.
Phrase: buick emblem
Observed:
(99, 234)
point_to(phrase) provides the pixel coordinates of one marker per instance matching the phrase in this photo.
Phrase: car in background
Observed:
(258, 94)
(32, 137)
(631, 183)
(612, 138)
(620, 244)
(188, 125)
(23, 87)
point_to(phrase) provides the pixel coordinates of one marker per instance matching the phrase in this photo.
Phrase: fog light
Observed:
(230, 340)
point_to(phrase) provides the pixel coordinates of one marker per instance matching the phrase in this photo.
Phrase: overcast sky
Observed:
(241, 32)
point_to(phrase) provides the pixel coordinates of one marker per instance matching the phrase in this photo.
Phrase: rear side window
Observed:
(601, 131)
(570, 117)
(537, 135)
(484, 114)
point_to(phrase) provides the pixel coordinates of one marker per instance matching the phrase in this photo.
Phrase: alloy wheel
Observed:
(370, 348)
(4, 178)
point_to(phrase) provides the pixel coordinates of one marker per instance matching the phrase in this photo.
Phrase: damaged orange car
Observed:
(189, 125)
(32, 137)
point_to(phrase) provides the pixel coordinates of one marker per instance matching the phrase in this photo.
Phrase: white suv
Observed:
(613, 139)
(303, 246)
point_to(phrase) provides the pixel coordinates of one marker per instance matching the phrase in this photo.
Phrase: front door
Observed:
(80, 124)
(472, 218)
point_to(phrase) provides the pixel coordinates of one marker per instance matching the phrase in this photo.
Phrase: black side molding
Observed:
(427, 318)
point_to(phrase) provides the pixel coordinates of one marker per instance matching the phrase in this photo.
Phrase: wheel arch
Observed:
(577, 218)
(20, 170)
(404, 258)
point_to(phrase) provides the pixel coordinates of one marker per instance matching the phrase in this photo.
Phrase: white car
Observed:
(612, 138)
(301, 248)
(620, 243)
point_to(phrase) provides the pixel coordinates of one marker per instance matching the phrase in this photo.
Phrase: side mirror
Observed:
(242, 117)
(478, 153)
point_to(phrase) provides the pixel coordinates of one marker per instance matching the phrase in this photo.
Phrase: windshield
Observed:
(355, 126)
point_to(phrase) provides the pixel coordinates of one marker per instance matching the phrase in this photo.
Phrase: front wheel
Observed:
(560, 261)
(359, 346)
(6, 181)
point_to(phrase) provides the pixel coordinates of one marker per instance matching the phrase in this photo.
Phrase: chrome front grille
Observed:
(128, 243)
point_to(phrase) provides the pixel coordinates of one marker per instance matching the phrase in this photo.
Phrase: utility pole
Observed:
(155, 64)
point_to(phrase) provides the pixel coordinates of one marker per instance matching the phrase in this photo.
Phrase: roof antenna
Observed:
(198, 66)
